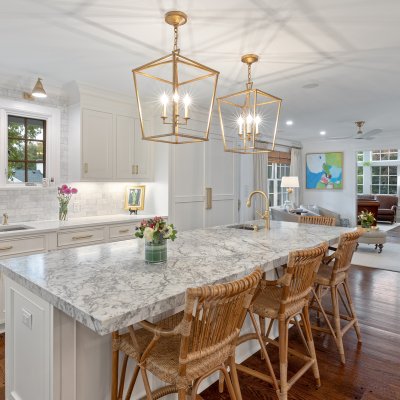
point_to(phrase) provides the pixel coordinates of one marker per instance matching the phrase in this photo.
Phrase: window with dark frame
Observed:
(26, 149)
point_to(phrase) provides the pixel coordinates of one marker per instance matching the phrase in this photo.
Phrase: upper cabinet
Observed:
(105, 141)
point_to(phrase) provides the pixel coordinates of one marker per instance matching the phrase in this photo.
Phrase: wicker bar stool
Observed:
(201, 343)
(285, 300)
(332, 275)
(317, 220)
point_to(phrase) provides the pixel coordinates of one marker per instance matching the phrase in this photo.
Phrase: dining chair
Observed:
(186, 349)
(332, 275)
(286, 300)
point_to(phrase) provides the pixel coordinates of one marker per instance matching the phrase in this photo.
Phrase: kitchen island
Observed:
(61, 307)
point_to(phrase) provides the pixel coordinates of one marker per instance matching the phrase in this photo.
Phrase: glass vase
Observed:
(63, 212)
(155, 252)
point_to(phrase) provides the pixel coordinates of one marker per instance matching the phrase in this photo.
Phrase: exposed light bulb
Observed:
(249, 122)
(240, 122)
(289, 122)
(322, 133)
(175, 97)
(257, 120)
(187, 100)
(164, 99)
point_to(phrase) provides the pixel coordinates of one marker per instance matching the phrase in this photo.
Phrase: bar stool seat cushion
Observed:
(324, 276)
(267, 303)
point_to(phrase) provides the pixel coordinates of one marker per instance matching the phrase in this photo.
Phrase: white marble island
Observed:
(66, 303)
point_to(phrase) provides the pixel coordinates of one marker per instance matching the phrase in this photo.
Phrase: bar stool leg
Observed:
(336, 317)
(352, 309)
(283, 358)
(235, 378)
(307, 328)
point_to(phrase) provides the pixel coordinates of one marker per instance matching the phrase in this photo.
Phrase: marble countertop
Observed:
(82, 222)
(108, 286)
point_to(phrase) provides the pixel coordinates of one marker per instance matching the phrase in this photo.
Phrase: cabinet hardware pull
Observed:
(208, 198)
(137, 169)
(86, 168)
(6, 248)
(81, 237)
(123, 230)
(133, 169)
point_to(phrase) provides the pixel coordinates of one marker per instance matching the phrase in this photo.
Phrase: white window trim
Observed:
(51, 115)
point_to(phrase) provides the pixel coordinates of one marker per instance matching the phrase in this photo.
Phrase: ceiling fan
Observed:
(360, 134)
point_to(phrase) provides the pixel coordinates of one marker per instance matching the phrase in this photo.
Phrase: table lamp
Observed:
(289, 182)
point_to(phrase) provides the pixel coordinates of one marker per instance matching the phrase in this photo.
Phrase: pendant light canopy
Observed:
(175, 95)
(249, 118)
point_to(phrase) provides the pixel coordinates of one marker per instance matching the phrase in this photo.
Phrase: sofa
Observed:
(387, 207)
(385, 204)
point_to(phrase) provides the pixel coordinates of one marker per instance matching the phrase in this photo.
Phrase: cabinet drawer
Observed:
(122, 231)
(77, 237)
(31, 244)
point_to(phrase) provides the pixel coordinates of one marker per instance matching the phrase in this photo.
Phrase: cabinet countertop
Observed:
(108, 286)
(82, 222)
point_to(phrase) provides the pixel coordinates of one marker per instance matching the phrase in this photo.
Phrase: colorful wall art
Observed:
(324, 171)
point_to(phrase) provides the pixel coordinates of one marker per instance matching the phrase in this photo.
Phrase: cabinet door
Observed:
(97, 145)
(133, 160)
(142, 154)
(125, 143)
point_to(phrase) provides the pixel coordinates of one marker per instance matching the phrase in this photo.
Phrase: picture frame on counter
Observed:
(134, 198)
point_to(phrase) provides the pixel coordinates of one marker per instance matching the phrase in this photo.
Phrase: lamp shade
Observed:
(290, 182)
(38, 90)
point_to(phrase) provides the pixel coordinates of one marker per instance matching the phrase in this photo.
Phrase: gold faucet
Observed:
(5, 219)
(265, 216)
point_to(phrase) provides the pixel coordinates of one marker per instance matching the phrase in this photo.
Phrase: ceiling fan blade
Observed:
(372, 133)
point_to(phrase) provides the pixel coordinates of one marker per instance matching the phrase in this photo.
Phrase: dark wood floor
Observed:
(372, 371)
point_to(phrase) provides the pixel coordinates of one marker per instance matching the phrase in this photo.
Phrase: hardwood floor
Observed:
(372, 370)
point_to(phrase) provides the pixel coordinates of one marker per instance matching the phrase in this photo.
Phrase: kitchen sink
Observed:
(247, 227)
(12, 228)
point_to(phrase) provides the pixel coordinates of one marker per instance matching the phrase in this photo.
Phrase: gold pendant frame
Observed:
(175, 63)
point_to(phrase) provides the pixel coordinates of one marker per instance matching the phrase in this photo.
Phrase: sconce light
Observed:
(37, 91)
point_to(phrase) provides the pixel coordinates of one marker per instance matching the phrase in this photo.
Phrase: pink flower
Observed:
(67, 191)
(74, 190)
(63, 187)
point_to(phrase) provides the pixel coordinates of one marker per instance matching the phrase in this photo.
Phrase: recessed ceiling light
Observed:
(322, 133)
(289, 122)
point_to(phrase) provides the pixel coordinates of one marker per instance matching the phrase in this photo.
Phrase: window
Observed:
(277, 195)
(26, 149)
(385, 155)
(384, 179)
(360, 179)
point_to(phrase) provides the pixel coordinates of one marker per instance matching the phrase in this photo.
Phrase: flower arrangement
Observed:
(64, 195)
(155, 230)
(366, 219)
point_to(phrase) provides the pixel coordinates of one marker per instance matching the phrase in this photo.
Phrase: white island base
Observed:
(50, 356)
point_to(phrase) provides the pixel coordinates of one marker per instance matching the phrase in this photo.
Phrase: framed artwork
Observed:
(134, 198)
(324, 171)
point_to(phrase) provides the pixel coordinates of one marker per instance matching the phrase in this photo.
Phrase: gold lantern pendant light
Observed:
(249, 119)
(175, 95)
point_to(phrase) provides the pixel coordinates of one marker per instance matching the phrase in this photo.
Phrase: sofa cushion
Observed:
(387, 201)
(385, 211)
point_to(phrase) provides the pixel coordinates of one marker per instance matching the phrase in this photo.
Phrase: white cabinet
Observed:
(133, 155)
(105, 142)
(203, 187)
(97, 145)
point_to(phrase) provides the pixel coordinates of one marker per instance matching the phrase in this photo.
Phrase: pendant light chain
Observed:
(175, 38)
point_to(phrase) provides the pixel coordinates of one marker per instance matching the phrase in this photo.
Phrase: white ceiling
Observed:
(350, 48)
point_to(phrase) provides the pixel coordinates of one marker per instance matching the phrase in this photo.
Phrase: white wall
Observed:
(343, 201)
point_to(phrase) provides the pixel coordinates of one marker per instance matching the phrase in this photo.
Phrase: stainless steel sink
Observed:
(247, 227)
(12, 228)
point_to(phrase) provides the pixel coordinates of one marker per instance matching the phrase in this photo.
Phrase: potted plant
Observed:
(155, 232)
(366, 219)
